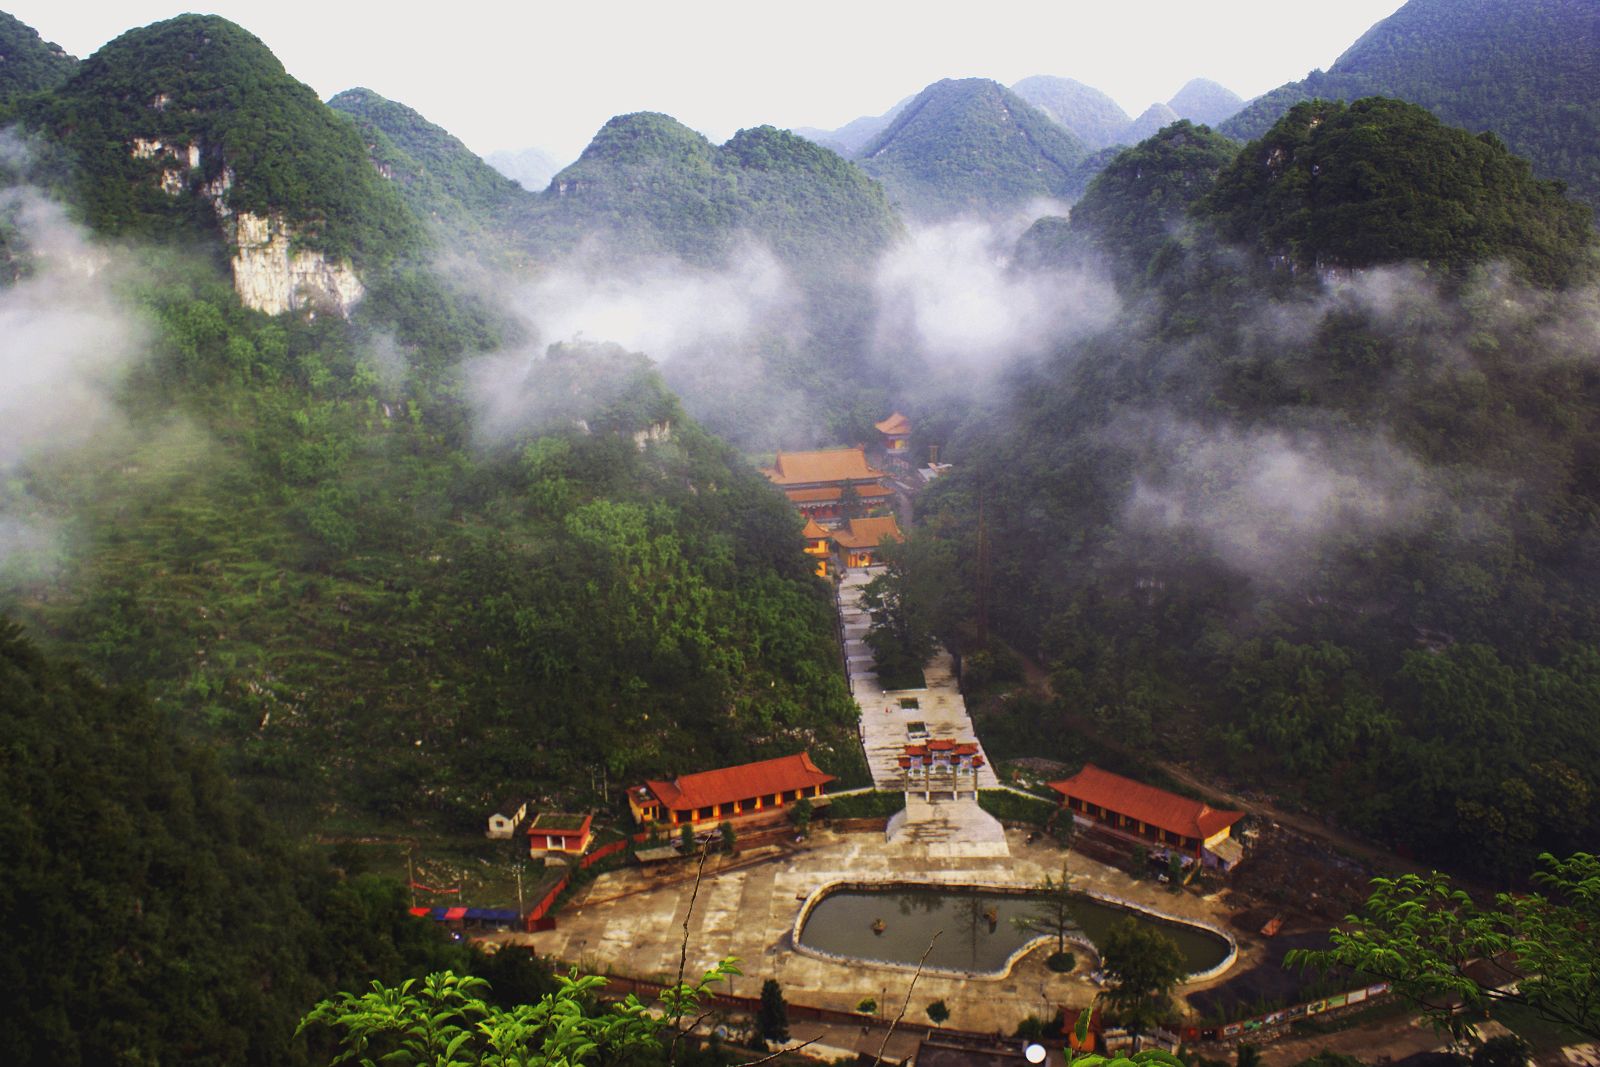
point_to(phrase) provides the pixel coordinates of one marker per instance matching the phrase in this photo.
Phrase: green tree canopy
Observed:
(1442, 949)
(1143, 964)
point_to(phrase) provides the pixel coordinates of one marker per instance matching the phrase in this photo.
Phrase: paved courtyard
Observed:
(626, 923)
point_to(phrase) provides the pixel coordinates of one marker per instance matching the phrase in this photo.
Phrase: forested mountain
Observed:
(1135, 206)
(1205, 103)
(972, 145)
(1088, 114)
(1529, 70)
(1319, 508)
(151, 915)
(441, 179)
(27, 62)
(394, 564)
(652, 182)
(193, 121)
(334, 540)
(1381, 181)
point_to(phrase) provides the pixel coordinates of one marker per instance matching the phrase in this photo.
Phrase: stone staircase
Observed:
(946, 829)
(942, 827)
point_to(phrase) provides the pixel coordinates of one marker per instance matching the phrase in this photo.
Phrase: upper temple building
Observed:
(815, 482)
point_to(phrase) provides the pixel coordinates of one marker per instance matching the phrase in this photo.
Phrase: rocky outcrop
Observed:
(271, 275)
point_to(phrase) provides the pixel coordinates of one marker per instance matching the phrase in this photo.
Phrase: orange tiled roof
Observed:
(832, 493)
(896, 425)
(867, 533)
(813, 531)
(1156, 807)
(819, 468)
(728, 784)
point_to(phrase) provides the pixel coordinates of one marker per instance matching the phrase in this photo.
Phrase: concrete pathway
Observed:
(884, 719)
(944, 821)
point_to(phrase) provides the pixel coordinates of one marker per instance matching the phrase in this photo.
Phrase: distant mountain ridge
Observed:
(972, 145)
(1527, 69)
(665, 187)
(1092, 116)
(854, 135)
(1084, 111)
(531, 168)
(1205, 102)
(441, 179)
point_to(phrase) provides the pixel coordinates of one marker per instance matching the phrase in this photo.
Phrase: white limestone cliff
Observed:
(269, 273)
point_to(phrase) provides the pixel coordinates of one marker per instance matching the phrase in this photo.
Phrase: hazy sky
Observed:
(535, 73)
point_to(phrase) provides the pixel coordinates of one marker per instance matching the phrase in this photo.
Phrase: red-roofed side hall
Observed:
(729, 792)
(1152, 816)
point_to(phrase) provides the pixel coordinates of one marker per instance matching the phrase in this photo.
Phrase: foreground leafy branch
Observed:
(1442, 950)
(443, 1021)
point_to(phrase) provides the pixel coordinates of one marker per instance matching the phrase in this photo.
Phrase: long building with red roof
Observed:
(1135, 810)
(729, 792)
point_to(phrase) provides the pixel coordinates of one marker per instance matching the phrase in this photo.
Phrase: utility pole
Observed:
(521, 911)
(411, 879)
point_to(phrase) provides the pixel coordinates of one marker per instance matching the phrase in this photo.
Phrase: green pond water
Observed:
(841, 924)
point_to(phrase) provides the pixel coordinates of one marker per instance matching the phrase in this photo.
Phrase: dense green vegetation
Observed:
(661, 185)
(151, 915)
(1330, 531)
(201, 81)
(1135, 206)
(1424, 935)
(314, 548)
(971, 145)
(389, 582)
(1524, 69)
(1381, 181)
(450, 1020)
(439, 177)
(29, 64)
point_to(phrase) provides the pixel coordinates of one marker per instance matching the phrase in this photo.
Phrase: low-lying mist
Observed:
(66, 342)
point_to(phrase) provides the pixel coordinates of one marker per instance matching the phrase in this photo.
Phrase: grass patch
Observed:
(866, 806)
(1009, 807)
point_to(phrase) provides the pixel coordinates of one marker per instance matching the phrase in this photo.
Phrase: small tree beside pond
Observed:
(1052, 910)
